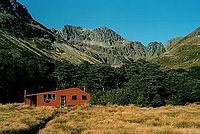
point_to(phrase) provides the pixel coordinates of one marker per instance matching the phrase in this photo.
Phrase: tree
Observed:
(157, 101)
(103, 77)
(65, 75)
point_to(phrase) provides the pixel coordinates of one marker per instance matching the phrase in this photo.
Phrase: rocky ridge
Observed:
(106, 45)
(102, 34)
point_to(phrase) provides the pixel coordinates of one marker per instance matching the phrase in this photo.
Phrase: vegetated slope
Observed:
(106, 45)
(19, 33)
(171, 43)
(183, 54)
(113, 119)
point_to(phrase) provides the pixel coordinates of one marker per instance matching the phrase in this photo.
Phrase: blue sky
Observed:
(138, 20)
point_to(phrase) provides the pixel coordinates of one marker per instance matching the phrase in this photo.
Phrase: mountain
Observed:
(184, 53)
(106, 45)
(20, 33)
(102, 34)
(74, 44)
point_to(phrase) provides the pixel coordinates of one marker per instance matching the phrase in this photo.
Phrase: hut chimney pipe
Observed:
(24, 96)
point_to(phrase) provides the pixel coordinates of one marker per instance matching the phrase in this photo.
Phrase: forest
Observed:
(135, 82)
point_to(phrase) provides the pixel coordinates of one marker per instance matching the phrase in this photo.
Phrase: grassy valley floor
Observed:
(110, 119)
(127, 120)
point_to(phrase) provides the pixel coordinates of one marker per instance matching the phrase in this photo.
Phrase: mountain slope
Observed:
(20, 33)
(183, 54)
(16, 21)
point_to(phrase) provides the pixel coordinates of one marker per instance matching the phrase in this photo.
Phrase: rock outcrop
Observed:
(14, 8)
(103, 34)
(155, 49)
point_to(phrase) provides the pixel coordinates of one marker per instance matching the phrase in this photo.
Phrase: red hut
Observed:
(58, 98)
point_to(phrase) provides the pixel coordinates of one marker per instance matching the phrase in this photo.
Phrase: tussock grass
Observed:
(130, 119)
(17, 117)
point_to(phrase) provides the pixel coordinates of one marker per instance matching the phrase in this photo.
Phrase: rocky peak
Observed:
(102, 34)
(14, 8)
(13, 2)
(155, 49)
(20, 10)
(72, 27)
(70, 32)
(154, 43)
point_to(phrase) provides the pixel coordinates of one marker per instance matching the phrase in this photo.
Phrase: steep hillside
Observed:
(183, 54)
(16, 21)
(172, 42)
(20, 33)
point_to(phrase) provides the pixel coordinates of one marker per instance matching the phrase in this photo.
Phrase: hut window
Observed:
(45, 97)
(49, 97)
(53, 96)
(74, 97)
(84, 97)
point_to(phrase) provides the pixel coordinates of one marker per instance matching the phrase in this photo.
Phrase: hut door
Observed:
(33, 100)
(63, 101)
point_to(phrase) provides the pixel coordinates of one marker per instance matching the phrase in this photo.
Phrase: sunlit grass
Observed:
(16, 117)
(127, 119)
(110, 119)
